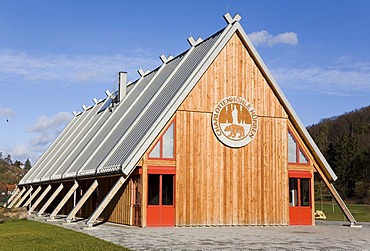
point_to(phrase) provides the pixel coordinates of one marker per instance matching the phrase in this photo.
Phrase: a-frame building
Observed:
(208, 138)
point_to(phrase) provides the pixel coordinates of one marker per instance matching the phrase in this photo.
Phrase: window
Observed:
(299, 192)
(160, 189)
(153, 189)
(293, 192)
(305, 192)
(292, 148)
(167, 189)
(302, 157)
(295, 152)
(164, 148)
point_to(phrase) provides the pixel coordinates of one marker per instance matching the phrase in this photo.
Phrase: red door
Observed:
(161, 200)
(300, 205)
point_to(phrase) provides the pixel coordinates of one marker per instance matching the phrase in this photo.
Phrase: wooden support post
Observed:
(82, 201)
(144, 196)
(64, 200)
(56, 192)
(32, 196)
(24, 197)
(15, 192)
(105, 201)
(39, 199)
(17, 198)
(342, 205)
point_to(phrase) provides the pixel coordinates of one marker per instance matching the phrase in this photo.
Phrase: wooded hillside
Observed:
(10, 174)
(345, 142)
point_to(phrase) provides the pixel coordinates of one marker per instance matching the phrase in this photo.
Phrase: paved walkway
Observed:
(323, 236)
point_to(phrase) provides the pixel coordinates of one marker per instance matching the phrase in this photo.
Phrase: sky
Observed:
(56, 56)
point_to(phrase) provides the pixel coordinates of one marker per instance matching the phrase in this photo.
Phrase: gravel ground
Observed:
(324, 236)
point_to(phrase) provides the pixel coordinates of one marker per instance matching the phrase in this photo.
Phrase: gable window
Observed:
(164, 148)
(295, 152)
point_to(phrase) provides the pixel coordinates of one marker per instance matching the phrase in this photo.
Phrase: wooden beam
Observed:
(15, 192)
(24, 197)
(56, 192)
(33, 195)
(342, 205)
(47, 189)
(105, 201)
(17, 198)
(144, 195)
(64, 200)
(82, 201)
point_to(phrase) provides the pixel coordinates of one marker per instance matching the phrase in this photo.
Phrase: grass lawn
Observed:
(359, 211)
(32, 235)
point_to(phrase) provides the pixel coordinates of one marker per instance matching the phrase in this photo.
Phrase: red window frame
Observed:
(298, 149)
(160, 140)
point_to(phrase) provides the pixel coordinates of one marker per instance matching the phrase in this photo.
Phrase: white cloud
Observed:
(338, 79)
(42, 139)
(69, 68)
(6, 112)
(265, 38)
(45, 123)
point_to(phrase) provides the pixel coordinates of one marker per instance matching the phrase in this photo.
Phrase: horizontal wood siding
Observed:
(219, 185)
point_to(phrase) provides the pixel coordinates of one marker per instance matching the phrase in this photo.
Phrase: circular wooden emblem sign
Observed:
(234, 121)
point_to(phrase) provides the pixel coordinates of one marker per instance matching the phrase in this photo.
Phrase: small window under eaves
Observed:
(295, 152)
(165, 146)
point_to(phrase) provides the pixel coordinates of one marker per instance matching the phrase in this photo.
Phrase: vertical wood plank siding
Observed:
(118, 209)
(219, 185)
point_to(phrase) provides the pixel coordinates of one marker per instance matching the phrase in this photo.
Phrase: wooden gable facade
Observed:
(224, 185)
(186, 176)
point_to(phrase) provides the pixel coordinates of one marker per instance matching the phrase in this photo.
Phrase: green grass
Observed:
(32, 235)
(359, 211)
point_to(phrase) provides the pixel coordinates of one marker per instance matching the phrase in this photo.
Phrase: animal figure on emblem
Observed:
(234, 129)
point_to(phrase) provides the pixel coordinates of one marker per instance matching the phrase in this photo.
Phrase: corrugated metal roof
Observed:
(70, 146)
(142, 99)
(99, 119)
(107, 128)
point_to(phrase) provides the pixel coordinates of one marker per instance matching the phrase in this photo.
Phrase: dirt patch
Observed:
(7, 214)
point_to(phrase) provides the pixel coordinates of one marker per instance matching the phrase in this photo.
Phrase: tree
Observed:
(345, 142)
(17, 163)
(363, 191)
(27, 164)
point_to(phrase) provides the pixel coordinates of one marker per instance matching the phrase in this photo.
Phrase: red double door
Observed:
(300, 204)
(161, 197)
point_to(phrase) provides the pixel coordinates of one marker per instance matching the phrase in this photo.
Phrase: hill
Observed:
(10, 174)
(345, 142)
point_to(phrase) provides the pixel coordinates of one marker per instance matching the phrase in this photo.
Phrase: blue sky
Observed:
(57, 55)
